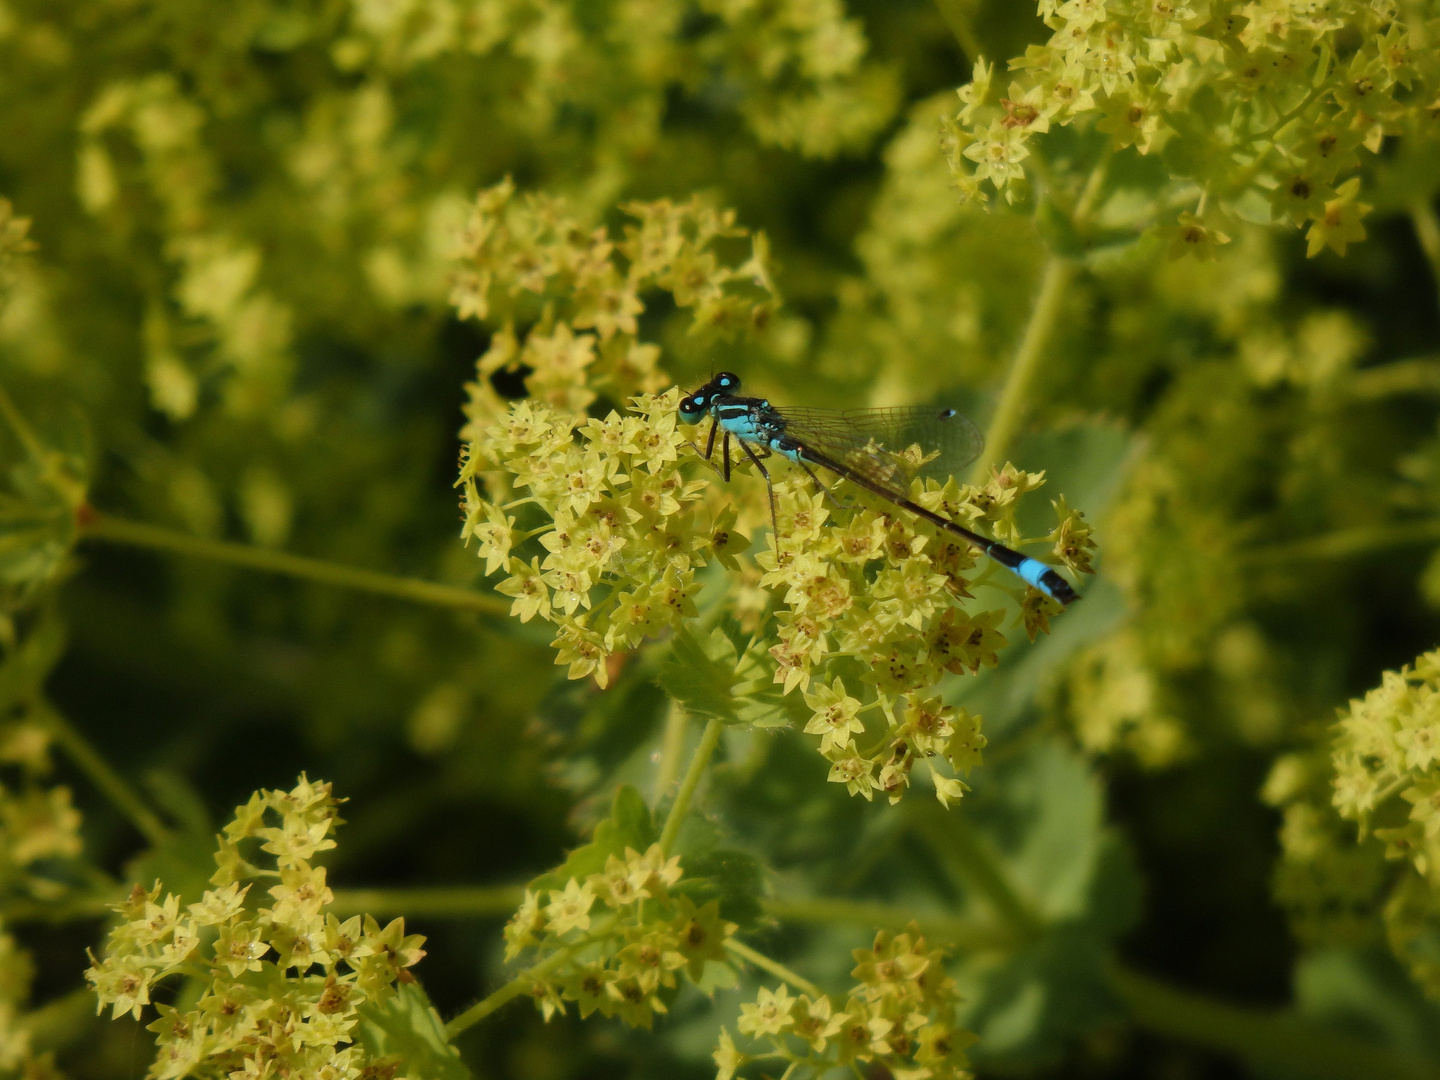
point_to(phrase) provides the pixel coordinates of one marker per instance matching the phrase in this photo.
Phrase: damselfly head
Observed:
(693, 407)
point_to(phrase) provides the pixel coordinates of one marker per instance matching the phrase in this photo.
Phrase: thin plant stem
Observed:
(1416, 375)
(507, 993)
(63, 1021)
(22, 430)
(672, 745)
(446, 902)
(959, 20)
(89, 761)
(1055, 281)
(103, 527)
(974, 864)
(1344, 543)
(1269, 1040)
(709, 739)
(1427, 231)
(774, 967)
(967, 934)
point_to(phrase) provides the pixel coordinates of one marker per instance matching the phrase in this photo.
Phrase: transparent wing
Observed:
(890, 445)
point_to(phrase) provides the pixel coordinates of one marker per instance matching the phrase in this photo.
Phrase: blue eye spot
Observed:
(945, 414)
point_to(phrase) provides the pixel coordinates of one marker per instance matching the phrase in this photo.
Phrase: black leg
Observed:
(725, 453)
(708, 452)
(829, 495)
(769, 487)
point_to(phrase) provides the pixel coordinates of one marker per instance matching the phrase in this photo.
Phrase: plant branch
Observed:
(1344, 543)
(1055, 281)
(114, 530)
(455, 902)
(774, 967)
(958, 19)
(1417, 375)
(98, 770)
(22, 430)
(1427, 231)
(1271, 1040)
(709, 739)
(507, 993)
(968, 934)
(973, 863)
(672, 745)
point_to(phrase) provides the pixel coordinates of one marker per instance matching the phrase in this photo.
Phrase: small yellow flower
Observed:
(570, 909)
(769, 1015)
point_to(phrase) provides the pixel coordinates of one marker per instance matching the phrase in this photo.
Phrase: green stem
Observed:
(58, 912)
(967, 934)
(1010, 410)
(1055, 281)
(973, 863)
(1345, 543)
(672, 745)
(1417, 375)
(22, 430)
(958, 19)
(63, 1021)
(774, 967)
(106, 779)
(709, 739)
(1427, 230)
(507, 993)
(118, 531)
(1270, 1040)
(477, 901)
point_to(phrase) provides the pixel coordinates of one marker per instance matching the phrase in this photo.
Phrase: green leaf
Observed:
(711, 679)
(185, 860)
(26, 667)
(407, 1027)
(701, 674)
(630, 825)
(1368, 992)
(735, 878)
(1040, 833)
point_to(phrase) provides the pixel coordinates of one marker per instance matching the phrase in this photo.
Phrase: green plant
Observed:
(612, 740)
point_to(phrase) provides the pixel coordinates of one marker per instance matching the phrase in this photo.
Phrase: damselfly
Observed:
(872, 448)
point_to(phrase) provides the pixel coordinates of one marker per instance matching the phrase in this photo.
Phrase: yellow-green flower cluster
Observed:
(215, 315)
(1383, 773)
(530, 261)
(1388, 748)
(875, 593)
(618, 941)
(14, 241)
(798, 65)
(276, 989)
(899, 1020)
(617, 522)
(1330, 882)
(859, 590)
(15, 973)
(1259, 109)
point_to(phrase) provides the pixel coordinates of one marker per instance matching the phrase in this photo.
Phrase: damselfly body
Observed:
(871, 448)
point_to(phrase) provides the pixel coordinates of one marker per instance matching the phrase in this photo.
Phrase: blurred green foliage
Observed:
(268, 268)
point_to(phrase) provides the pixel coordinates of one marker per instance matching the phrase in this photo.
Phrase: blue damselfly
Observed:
(872, 448)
